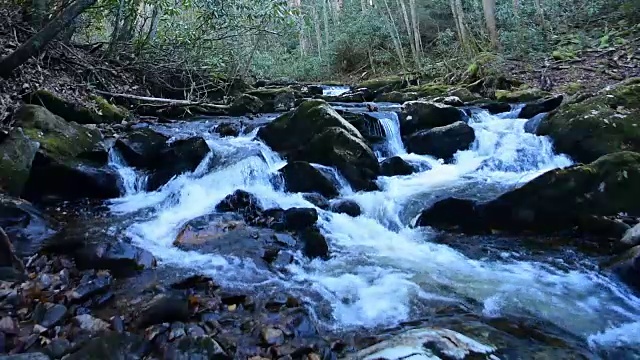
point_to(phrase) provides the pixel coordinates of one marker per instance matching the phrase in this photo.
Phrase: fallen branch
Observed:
(163, 101)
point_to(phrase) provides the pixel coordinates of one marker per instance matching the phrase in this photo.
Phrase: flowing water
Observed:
(383, 271)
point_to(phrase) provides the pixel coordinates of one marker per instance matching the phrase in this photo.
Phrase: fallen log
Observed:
(163, 101)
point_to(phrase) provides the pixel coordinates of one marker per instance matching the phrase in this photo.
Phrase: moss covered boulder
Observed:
(109, 112)
(348, 153)
(397, 97)
(424, 115)
(99, 109)
(65, 164)
(442, 142)
(601, 124)
(17, 151)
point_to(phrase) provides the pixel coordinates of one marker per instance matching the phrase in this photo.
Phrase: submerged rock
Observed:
(442, 142)
(541, 106)
(396, 166)
(602, 124)
(300, 176)
(424, 115)
(348, 207)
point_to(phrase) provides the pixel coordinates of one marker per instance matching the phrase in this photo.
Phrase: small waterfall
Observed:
(132, 182)
(391, 129)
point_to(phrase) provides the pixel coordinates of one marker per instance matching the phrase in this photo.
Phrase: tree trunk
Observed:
(325, 16)
(458, 15)
(117, 28)
(316, 22)
(540, 14)
(41, 39)
(489, 7)
(416, 28)
(408, 26)
(393, 30)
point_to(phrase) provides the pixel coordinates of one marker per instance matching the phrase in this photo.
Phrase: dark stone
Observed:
(348, 207)
(315, 244)
(531, 126)
(121, 259)
(17, 152)
(627, 267)
(300, 218)
(180, 157)
(245, 104)
(193, 282)
(53, 314)
(272, 336)
(453, 214)
(368, 125)
(68, 110)
(113, 346)
(166, 307)
(442, 142)
(541, 106)
(424, 115)
(117, 324)
(58, 347)
(89, 288)
(190, 348)
(227, 129)
(240, 202)
(395, 166)
(27, 228)
(141, 147)
(315, 90)
(317, 200)
(496, 107)
(300, 176)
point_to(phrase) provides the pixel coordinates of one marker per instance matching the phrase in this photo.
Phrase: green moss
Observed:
(571, 88)
(521, 95)
(68, 110)
(473, 70)
(110, 112)
(16, 154)
(563, 55)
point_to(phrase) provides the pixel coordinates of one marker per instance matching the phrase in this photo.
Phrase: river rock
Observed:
(141, 147)
(275, 99)
(300, 176)
(453, 214)
(368, 125)
(520, 95)
(272, 336)
(294, 130)
(179, 157)
(68, 110)
(541, 106)
(384, 84)
(58, 347)
(90, 287)
(632, 236)
(58, 168)
(442, 142)
(240, 202)
(245, 104)
(495, 107)
(120, 258)
(191, 348)
(424, 115)
(113, 346)
(317, 200)
(51, 315)
(315, 244)
(449, 100)
(91, 324)
(17, 152)
(602, 124)
(395, 166)
(627, 266)
(396, 97)
(355, 160)
(227, 129)
(28, 229)
(348, 207)
(300, 218)
(167, 307)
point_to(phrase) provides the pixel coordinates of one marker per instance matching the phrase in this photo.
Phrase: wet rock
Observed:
(396, 166)
(53, 314)
(389, 83)
(627, 267)
(272, 336)
(176, 331)
(449, 100)
(315, 244)
(632, 236)
(120, 258)
(180, 157)
(227, 129)
(17, 152)
(496, 107)
(194, 331)
(541, 106)
(428, 343)
(424, 115)
(315, 90)
(189, 348)
(453, 214)
(442, 142)
(58, 347)
(141, 147)
(598, 125)
(531, 126)
(368, 125)
(240, 202)
(85, 290)
(300, 218)
(348, 207)
(28, 229)
(317, 200)
(300, 176)
(113, 346)
(397, 97)
(91, 324)
(207, 228)
(27, 356)
(353, 158)
(167, 307)
(245, 104)
(275, 99)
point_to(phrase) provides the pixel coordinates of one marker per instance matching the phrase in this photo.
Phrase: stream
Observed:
(382, 271)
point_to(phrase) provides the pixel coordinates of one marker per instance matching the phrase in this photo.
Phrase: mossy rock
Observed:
(598, 125)
(563, 55)
(245, 104)
(388, 83)
(17, 152)
(571, 88)
(67, 110)
(397, 97)
(57, 137)
(110, 113)
(428, 90)
(521, 95)
(276, 99)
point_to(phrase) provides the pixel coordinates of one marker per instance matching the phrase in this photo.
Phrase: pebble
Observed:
(90, 323)
(272, 336)
(8, 325)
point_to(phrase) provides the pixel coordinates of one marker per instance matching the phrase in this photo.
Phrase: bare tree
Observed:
(489, 7)
(461, 27)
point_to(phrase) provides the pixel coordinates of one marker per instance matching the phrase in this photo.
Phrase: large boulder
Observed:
(541, 106)
(28, 229)
(300, 176)
(65, 164)
(345, 206)
(141, 147)
(179, 157)
(294, 130)
(68, 110)
(17, 152)
(349, 154)
(598, 125)
(424, 115)
(442, 142)
(453, 214)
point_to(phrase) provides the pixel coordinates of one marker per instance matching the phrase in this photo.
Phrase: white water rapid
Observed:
(382, 271)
